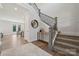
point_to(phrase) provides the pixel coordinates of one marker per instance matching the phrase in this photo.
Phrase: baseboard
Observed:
(43, 41)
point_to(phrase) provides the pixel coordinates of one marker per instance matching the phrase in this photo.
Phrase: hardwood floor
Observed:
(11, 41)
(44, 45)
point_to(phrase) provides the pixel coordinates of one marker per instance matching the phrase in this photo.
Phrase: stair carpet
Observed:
(69, 45)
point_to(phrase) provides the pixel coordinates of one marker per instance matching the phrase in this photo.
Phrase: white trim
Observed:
(11, 20)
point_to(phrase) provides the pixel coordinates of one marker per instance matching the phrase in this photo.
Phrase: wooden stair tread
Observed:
(70, 45)
(68, 39)
(63, 46)
(66, 50)
(68, 36)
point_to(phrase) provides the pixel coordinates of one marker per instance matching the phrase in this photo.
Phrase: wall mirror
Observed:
(34, 23)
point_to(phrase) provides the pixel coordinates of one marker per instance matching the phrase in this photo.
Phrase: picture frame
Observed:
(34, 23)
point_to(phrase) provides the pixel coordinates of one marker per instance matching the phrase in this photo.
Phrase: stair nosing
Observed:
(64, 50)
(70, 45)
(68, 39)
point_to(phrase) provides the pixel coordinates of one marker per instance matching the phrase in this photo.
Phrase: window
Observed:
(14, 28)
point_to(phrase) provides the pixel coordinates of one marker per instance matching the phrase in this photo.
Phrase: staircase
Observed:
(69, 45)
(51, 22)
(45, 18)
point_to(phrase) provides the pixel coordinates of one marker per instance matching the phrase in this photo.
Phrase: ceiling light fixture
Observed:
(15, 9)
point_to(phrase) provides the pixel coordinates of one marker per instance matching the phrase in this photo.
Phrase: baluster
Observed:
(50, 39)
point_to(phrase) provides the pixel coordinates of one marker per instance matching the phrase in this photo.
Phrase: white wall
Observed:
(31, 14)
(30, 32)
(68, 16)
(10, 16)
(7, 27)
(25, 13)
(44, 26)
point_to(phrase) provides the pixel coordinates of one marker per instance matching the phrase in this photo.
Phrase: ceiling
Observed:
(12, 12)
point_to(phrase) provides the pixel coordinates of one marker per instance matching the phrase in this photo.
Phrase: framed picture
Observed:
(34, 23)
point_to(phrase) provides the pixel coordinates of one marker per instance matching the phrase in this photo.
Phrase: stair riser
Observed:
(75, 53)
(67, 44)
(64, 46)
(67, 48)
(69, 37)
(68, 41)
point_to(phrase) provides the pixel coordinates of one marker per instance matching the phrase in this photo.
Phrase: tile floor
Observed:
(10, 41)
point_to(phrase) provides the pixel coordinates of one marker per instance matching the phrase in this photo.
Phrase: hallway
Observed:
(36, 24)
(13, 45)
(11, 41)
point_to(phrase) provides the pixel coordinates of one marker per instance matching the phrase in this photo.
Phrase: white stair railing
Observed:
(47, 19)
(35, 7)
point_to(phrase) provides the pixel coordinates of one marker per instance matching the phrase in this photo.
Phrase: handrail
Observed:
(50, 21)
(35, 7)
(33, 4)
(39, 9)
(54, 38)
(47, 15)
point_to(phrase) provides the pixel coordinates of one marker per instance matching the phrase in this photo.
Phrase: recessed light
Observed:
(15, 9)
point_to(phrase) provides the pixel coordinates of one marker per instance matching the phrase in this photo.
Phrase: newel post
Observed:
(50, 39)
